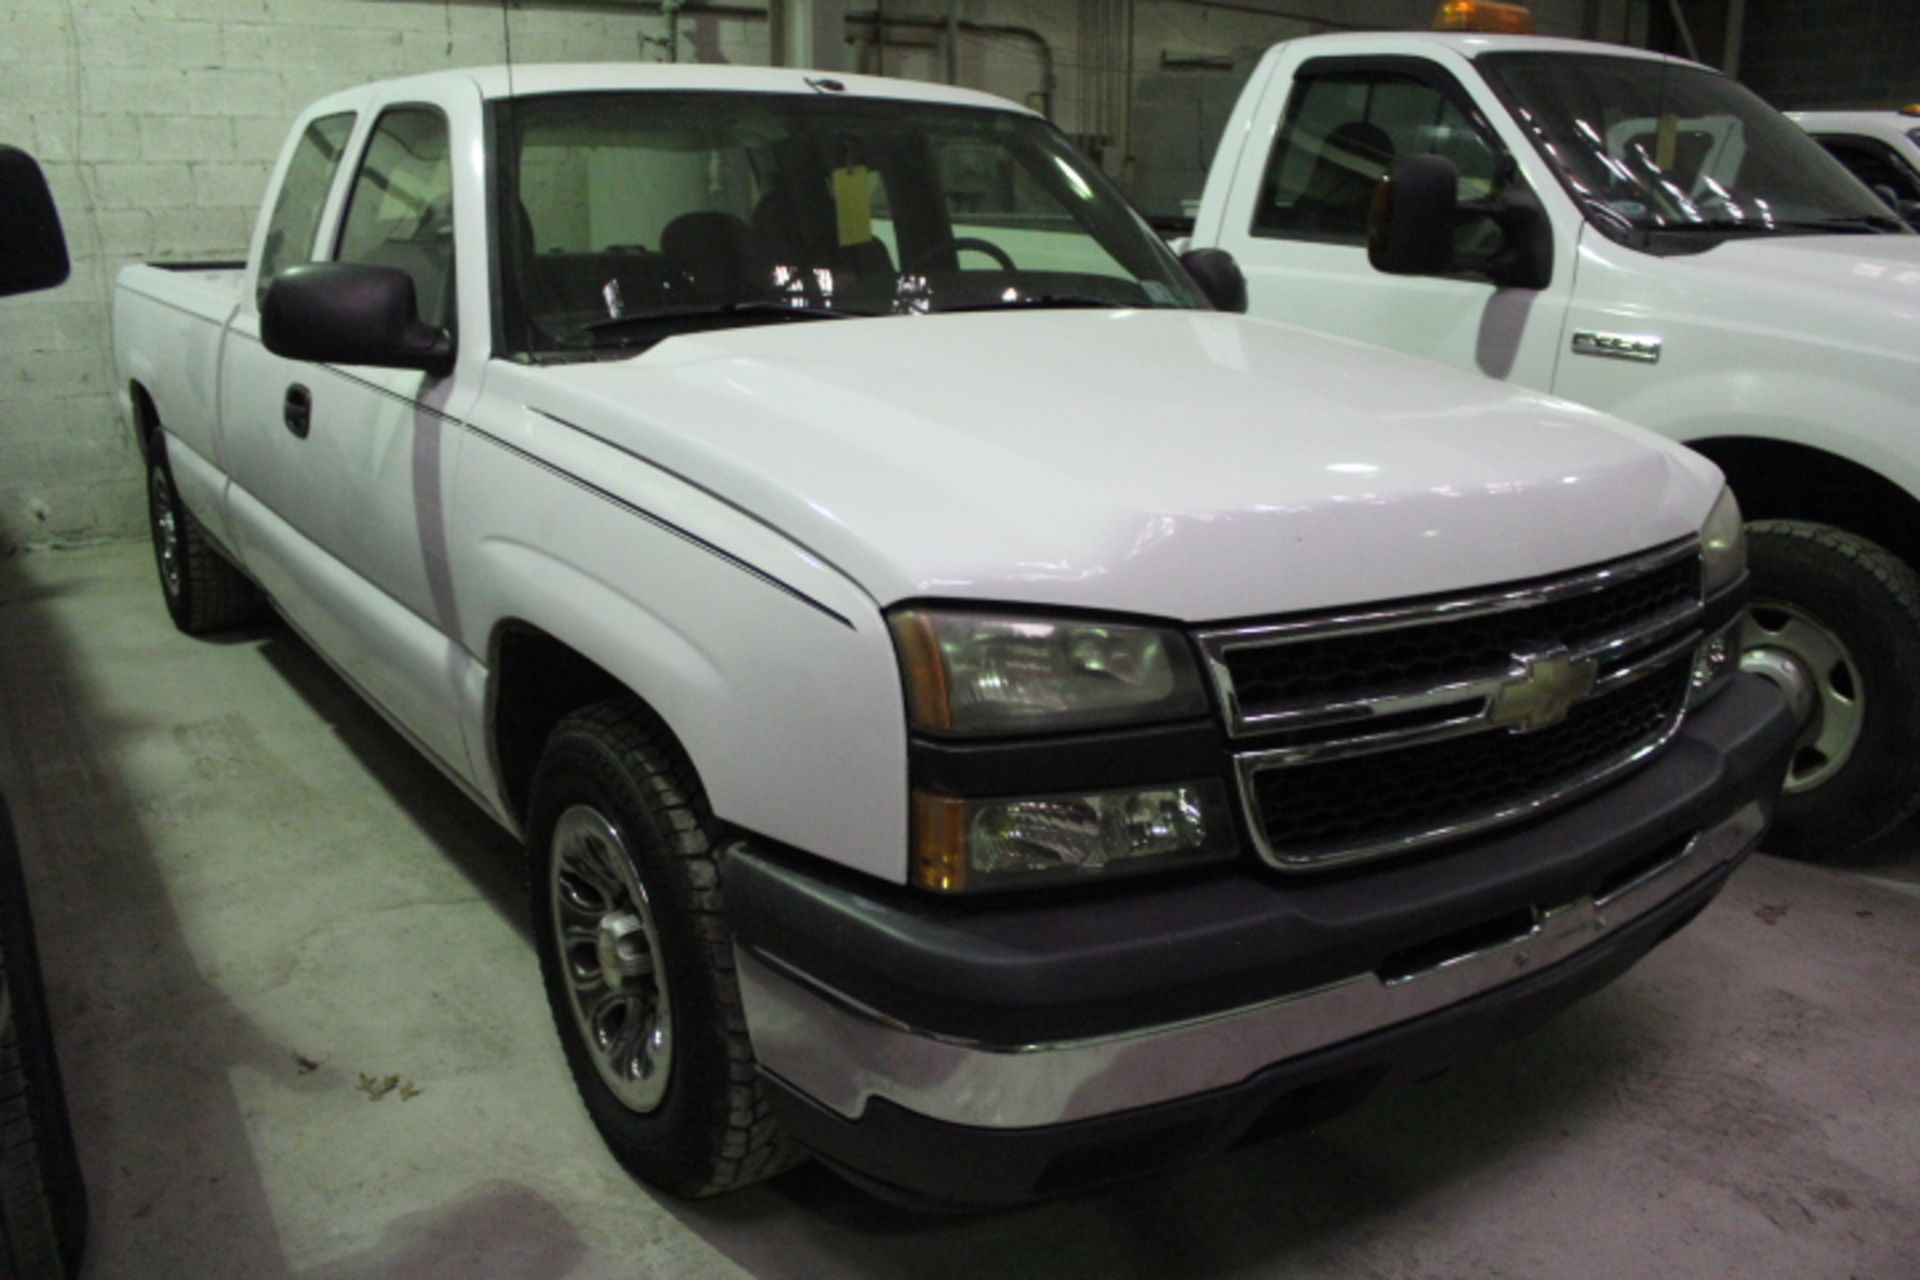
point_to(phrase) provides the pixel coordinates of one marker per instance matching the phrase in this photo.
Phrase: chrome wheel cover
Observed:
(1811, 664)
(166, 532)
(610, 957)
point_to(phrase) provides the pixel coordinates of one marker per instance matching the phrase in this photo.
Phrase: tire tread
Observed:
(748, 1141)
(1809, 542)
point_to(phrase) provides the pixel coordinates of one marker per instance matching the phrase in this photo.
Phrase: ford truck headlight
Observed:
(984, 675)
(970, 845)
(1723, 544)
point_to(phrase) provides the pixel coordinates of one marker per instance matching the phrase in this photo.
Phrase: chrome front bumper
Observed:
(843, 1056)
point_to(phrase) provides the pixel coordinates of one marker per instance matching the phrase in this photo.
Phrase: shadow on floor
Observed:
(160, 1130)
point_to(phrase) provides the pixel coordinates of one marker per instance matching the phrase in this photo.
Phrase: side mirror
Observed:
(33, 250)
(350, 313)
(1219, 277)
(1410, 223)
(1416, 210)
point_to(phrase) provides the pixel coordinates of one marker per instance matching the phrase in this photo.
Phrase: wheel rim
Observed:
(166, 532)
(610, 957)
(1811, 663)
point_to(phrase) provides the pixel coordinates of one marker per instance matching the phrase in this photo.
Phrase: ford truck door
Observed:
(1296, 217)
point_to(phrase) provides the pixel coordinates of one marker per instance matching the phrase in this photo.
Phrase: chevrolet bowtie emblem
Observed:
(1542, 689)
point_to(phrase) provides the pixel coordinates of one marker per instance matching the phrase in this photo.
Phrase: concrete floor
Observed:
(252, 897)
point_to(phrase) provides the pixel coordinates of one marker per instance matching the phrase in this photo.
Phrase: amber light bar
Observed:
(1484, 15)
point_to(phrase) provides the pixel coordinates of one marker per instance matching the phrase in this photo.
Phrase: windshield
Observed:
(1650, 147)
(631, 216)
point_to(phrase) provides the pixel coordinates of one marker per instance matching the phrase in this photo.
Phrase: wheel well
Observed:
(537, 681)
(1776, 480)
(146, 421)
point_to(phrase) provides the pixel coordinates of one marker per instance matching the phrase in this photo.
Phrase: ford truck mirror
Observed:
(351, 313)
(33, 250)
(1219, 277)
(1417, 209)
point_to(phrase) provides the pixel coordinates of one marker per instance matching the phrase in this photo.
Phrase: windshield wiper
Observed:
(702, 311)
(1846, 224)
(1043, 300)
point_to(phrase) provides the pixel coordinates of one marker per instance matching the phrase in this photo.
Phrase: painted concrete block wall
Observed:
(157, 122)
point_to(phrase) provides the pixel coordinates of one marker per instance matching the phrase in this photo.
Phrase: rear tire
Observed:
(637, 956)
(203, 591)
(43, 1204)
(1847, 612)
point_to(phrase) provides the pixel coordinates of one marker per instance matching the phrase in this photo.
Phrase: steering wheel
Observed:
(957, 244)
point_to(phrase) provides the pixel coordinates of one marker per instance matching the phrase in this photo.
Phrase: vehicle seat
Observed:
(713, 253)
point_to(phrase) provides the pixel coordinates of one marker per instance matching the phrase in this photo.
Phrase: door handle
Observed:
(298, 410)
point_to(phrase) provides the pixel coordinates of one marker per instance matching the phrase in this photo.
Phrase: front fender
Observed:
(776, 674)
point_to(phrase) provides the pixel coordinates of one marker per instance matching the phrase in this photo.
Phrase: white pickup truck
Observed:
(1642, 235)
(976, 712)
(1881, 148)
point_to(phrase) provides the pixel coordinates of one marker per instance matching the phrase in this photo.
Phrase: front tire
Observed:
(203, 592)
(1835, 619)
(637, 956)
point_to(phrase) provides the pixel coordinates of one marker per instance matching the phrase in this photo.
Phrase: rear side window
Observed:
(400, 213)
(303, 194)
(1341, 134)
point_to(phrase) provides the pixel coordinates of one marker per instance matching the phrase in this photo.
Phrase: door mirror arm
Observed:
(1417, 208)
(1524, 259)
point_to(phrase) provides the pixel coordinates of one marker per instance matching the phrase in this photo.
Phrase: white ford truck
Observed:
(977, 713)
(1641, 235)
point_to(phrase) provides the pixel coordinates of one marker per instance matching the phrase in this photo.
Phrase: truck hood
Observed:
(1187, 465)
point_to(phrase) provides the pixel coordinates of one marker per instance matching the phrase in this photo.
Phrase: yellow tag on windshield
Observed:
(1663, 146)
(853, 204)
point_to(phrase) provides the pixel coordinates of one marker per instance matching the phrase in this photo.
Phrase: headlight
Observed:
(980, 675)
(1723, 543)
(963, 846)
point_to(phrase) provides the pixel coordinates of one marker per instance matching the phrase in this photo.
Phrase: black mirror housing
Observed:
(33, 249)
(1219, 277)
(1416, 211)
(1410, 223)
(351, 313)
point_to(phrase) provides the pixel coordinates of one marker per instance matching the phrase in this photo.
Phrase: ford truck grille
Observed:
(1384, 730)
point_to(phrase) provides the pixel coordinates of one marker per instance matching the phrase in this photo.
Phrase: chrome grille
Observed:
(1385, 730)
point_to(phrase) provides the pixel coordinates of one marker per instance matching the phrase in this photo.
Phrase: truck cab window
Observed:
(400, 213)
(1341, 134)
(1873, 162)
(632, 216)
(303, 194)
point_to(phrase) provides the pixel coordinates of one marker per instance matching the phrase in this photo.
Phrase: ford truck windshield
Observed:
(1653, 150)
(630, 216)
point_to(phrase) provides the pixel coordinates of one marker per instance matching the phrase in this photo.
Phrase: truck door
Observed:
(1296, 218)
(357, 553)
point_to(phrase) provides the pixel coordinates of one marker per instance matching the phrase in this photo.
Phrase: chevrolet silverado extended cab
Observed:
(977, 713)
(1641, 235)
